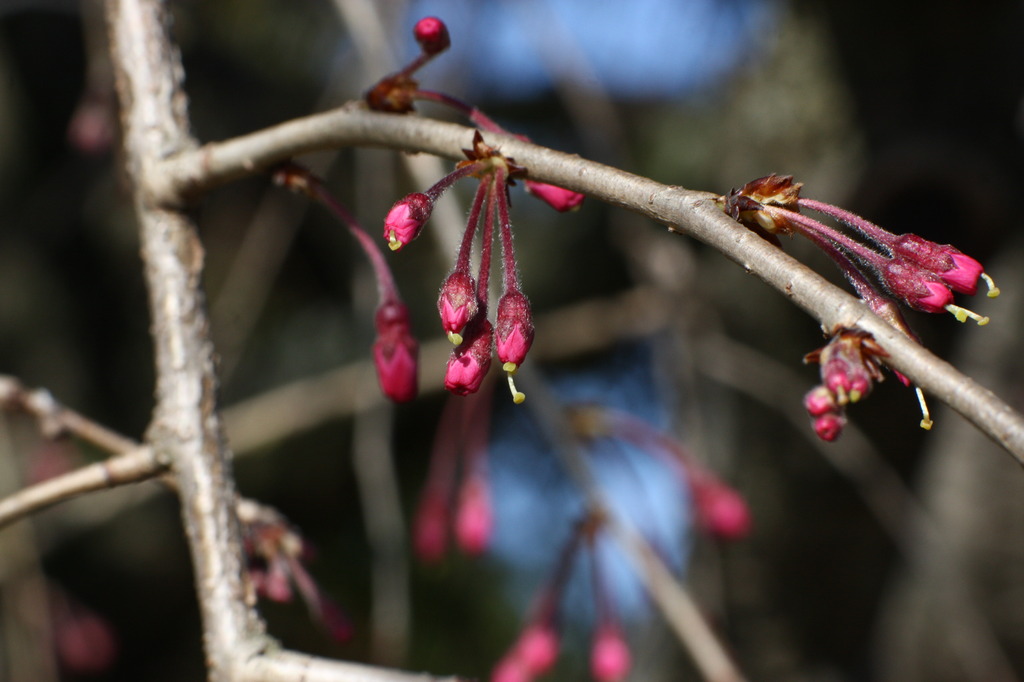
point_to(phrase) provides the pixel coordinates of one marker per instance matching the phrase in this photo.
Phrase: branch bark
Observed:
(186, 426)
(685, 211)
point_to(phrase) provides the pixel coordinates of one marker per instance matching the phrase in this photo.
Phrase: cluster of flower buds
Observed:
(851, 363)
(463, 300)
(277, 553)
(395, 350)
(719, 510)
(884, 268)
(448, 501)
(919, 273)
(535, 651)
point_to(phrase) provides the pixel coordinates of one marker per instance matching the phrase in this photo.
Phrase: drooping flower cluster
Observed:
(719, 510)
(535, 651)
(276, 553)
(884, 268)
(457, 495)
(463, 301)
(395, 350)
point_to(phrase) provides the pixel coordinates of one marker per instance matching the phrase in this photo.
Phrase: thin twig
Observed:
(136, 465)
(288, 666)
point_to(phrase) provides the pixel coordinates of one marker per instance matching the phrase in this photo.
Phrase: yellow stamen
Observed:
(455, 338)
(855, 395)
(961, 315)
(993, 290)
(517, 396)
(393, 242)
(926, 416)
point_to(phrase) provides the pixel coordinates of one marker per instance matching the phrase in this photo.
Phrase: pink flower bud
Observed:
(819, 401)
(959, 271)
(405, 220)
(274, 584)
(514, 328)
(432, 35)
(964, 274)
(828, 426)
(474, 521)
(510, 669)
(85, 643)
(457, 303)
(469, 362)
(722, 511)
(395, 352)
(919, 289)
(610, 659)
(537, 648)
(556, 197)
(430, 527)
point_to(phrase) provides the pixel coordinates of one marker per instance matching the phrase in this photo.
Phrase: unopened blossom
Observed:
(474, 520)
(395, 352)
(513, 330)
(958, 270)
(470, 360)
(432, 35)
(511, 669)
(457, 304)
(405, 220)
(722, 511)
(537, 647)
(829, 425)
(558, 198)
(430, 526)
(610, 659)
(919, 289)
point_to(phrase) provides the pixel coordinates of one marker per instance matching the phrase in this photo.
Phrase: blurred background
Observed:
(893, 554)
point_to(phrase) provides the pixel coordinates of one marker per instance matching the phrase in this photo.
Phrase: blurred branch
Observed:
(132, 462)
(685, 211)
(287, 666)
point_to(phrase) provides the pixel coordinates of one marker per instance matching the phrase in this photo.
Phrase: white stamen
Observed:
(517, 396)
(926, 417)
(961, 315)
(993, 290)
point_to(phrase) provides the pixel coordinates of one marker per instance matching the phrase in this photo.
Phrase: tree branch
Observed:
(685, 211)
(186, 426)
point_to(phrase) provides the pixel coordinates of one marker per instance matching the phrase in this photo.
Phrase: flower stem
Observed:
(471, 112)
(510, 270)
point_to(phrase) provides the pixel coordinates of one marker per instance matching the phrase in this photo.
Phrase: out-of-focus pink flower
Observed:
(556, 197)
(610, 659)
(828, 426)
(395, 352)
(432, 35)
(510, 669)
(537, 647)
(474, 520)
(430, 527)
(85, 642)
(722, 511)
